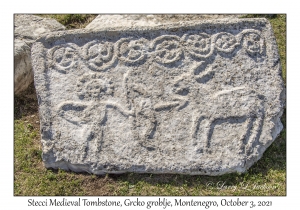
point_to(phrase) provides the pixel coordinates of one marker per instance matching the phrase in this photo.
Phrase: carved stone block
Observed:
(200, 98)
(138, 20)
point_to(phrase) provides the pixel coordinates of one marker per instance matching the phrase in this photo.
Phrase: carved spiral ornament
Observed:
(131, 51)
(167, 49)
(225, 42)
(63, 57)
(164, 49)
(100, 55)
(253, 43)
(198, 45)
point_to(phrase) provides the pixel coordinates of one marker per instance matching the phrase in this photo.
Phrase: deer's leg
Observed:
(87, 135)
(254, 133)
(245, 137)
(210, 132)
(151, 126)
(199, 132)
(196, 125)
(232, 120)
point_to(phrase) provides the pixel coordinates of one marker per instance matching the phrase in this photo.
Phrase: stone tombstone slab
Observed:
(198, 98)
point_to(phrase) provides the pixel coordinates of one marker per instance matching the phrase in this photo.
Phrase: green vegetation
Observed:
(31, 178)
(72, 21)
(266, 177)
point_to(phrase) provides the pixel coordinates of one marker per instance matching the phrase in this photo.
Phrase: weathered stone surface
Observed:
(198, 98)
(27, 28)
(104, 21)
(22, 64)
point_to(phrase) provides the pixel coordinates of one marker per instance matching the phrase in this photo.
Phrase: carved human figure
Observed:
(90, 114)
(138, 101)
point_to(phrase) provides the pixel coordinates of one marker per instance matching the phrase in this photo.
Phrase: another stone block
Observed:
(130, 20)
(22, 66)
(198, 98)
(27, 28)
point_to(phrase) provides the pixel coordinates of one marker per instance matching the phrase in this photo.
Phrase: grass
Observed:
(266, 177)
(72, 21)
